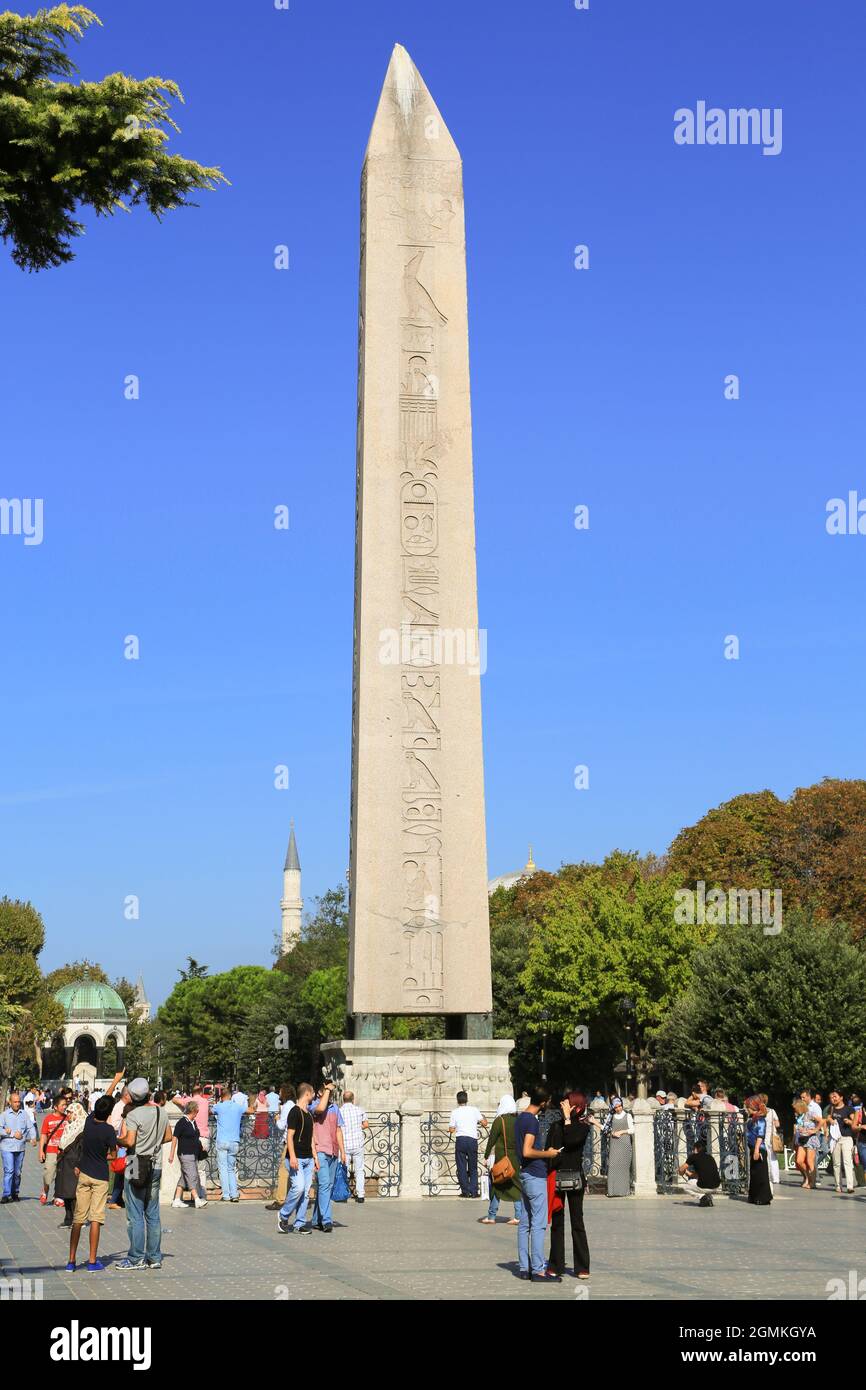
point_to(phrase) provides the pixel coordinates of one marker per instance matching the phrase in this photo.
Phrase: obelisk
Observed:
(419, 932)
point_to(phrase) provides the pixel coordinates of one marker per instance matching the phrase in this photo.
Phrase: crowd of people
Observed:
(104, 1150)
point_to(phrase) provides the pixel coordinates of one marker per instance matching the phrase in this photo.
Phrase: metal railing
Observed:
(675, 1133)
(260, 1153)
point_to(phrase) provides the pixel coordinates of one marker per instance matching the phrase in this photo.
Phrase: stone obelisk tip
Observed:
(408, 123)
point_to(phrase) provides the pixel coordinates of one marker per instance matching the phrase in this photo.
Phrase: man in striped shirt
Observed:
(354, 1124)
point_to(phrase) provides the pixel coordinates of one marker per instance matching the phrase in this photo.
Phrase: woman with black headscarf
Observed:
(569, 1133)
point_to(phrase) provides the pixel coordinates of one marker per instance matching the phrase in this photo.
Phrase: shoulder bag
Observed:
(503, 1170)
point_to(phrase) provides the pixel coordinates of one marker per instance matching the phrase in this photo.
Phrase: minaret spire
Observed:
(291, 904)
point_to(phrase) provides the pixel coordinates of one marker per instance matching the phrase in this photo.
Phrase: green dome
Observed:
(89, 999)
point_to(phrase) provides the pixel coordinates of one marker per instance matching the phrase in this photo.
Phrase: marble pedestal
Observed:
(385, 1074)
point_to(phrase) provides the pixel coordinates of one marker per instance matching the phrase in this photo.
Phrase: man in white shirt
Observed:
(463, 1124)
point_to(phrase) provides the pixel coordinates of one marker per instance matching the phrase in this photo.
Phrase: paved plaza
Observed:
(436, 1249)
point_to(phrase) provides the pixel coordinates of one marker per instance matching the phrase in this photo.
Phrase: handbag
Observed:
(503, 1170)
(569, 1180)
(340, 1190)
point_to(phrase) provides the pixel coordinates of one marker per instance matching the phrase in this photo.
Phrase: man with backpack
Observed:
(144, 1132)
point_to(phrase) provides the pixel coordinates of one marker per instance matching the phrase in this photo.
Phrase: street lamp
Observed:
(545, 1018)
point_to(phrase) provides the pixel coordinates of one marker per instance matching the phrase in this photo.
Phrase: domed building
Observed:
(509, 880)
(94, 1014)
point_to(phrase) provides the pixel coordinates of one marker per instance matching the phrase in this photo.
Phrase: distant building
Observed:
(291, 904)
(94, 1013)
(509, 880)
(141, 1002)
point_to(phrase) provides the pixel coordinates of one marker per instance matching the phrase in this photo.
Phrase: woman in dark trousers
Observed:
(569, 1134)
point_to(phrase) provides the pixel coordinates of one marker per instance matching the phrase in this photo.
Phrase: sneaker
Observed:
(201, 1201)
(283, 1225)
(359, 1199)
(131, 1264)
(326, 1230)
(70, 1268)
(4, 1200)
(305, 1230)
(94, 1266)
(179, 1203)
(235, 1199)
(154, 1264)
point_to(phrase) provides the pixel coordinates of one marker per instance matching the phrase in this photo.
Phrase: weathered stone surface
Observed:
(419, 927)
(385, 1074)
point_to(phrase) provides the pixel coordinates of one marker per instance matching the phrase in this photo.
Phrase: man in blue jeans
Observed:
(229, 1118)
(16, 1131)
(143, 1133)
(533, 1185)
(329, 1149)
(300, 1162)
(463, 1124)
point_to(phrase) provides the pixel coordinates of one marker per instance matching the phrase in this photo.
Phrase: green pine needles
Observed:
(67, 145)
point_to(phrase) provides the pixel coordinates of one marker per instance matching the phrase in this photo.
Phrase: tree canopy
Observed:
(65, 145)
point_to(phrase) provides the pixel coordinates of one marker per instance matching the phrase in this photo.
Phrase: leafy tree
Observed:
(609, 955)
(71, 973)
(65, 146)
(812, 847)
(193, 971)
(27, 1011)
(748, 1019)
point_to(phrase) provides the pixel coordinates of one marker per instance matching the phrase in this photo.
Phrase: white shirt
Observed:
(240, 1099)
(814, 1110)
(465, 1120)
(283, 1116)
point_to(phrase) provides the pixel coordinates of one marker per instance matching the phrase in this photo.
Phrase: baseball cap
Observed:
(138, 1088)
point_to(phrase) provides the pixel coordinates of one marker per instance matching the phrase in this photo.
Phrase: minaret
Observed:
(292, 904)
(142, 1003)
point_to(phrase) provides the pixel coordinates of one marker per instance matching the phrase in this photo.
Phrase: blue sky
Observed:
(601, 387)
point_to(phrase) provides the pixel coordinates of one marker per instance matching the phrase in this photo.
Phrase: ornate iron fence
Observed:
(258, 1153)
(675, 1133)
(382, 1152)
(438, 1164)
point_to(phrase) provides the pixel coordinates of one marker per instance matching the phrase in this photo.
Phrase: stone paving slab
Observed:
(435, 1249)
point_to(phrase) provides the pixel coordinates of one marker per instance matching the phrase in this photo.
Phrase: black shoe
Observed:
(4, 1200)
(234, 1199)
(359, 1199)
(305, 1230)
(326, 1230)
(551, 1278)
(525, 1274)
(273, 1206)
(705, 1202)
(15, 1197)
(67, 1221)
(283, 1225)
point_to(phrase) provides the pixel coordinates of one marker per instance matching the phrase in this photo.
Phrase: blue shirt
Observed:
(523, 1125)
(273, 1101)
(12, 1120)
(228, 1118)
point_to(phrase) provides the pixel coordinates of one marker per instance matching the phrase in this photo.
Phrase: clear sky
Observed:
(602, 387)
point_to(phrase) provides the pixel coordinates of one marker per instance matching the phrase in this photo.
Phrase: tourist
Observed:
(532, 1223)
(261, 1111)
(17, 1130)
(760, 1191)
(859, 1129)
(186, 1143)
(66, 1176)
(287, 1099)
(775, 1144)
(700, 1174)
(355, 1126)
(620, 1128)
(463, 1124)
(568, 1135)
(273, 1100)
(502, 1158)
(229, 1118)
(300, 1164)
(122, 1104)
(807, 1136)
(98, 1142)
(842, 1113)
(49, 1147)
(145, 1130)
(330, 1150)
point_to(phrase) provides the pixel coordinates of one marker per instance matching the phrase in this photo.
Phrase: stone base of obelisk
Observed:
(384, 1073)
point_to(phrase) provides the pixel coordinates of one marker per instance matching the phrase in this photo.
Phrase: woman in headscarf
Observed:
(261, 1127)
(760, 1190)
(569, 1134)
(69, 1156)
(620, 1128)
(501, 1146)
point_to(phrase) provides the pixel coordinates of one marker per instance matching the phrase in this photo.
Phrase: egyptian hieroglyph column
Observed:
(419, 915)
